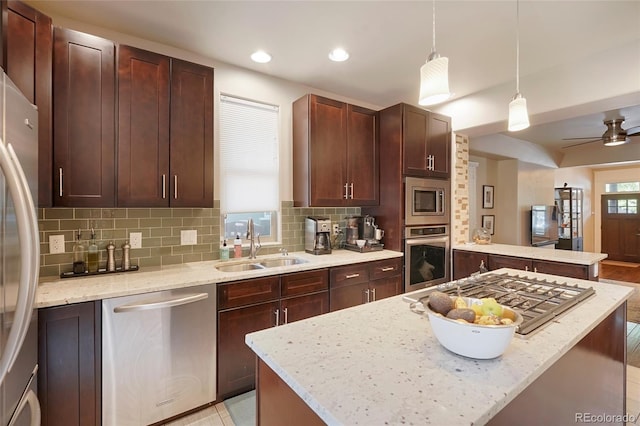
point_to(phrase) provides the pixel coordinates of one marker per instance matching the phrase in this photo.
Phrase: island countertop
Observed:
(538, 253)
(63, 291)
(379, 363)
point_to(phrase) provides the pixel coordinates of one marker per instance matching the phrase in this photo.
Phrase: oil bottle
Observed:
(93, 253)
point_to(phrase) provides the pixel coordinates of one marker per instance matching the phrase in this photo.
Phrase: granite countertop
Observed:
(538, 253)
(55, 292)
(379, 363)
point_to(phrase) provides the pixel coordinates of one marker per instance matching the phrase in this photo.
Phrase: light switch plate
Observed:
(56, 244)
(135, 240)
(188, 237)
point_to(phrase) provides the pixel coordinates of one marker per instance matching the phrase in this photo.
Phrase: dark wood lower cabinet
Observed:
(466, 263)
(70, 364)
(252, 305)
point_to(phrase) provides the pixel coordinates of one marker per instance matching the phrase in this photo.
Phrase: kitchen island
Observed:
(380, 364)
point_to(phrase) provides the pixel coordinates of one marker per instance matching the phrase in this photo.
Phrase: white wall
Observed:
(535, 186)
(506, 204)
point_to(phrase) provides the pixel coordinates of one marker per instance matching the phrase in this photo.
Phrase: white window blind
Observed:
(249, 166)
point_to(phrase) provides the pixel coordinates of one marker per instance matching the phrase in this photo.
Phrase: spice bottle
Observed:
(237, 247)
(111, 260)
(126, 259)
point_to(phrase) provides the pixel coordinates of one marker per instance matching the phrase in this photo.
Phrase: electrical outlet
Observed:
(56, 244)
(336, 229)
(135, 240)
(188, 237)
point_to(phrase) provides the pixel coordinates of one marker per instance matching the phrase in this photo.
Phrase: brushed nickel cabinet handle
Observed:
(346, 190)
(373, 292)
(387, 269)
(367, 293)
(60, 181)
(175, 187)
(277, 314)
(352, 276)
(164, 186)
(351, 186)
(286, 315)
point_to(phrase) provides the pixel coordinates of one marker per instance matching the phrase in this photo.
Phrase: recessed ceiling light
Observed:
(338, 55)
(261, 57)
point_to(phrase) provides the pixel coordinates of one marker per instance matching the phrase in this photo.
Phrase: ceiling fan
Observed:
(614, 135)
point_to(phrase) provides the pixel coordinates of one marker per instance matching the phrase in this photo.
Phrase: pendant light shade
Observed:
(518, 115)
(434, 74)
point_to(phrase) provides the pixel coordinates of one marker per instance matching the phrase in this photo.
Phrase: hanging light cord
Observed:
(433, 48)
(517, 47)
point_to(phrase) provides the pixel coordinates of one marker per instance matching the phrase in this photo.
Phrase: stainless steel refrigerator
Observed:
(19, 257)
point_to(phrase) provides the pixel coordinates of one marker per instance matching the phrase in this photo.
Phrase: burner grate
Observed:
(538, 301)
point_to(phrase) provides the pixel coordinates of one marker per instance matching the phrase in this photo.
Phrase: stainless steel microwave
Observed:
(426, 201)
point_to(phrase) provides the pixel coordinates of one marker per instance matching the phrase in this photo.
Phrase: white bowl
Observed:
(361, 243)
(473, 340)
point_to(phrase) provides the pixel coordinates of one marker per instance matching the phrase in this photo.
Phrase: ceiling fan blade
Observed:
(633, 131)
(581, 143)
(597, 138)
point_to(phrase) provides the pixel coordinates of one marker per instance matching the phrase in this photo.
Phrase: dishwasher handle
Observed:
(167, 303)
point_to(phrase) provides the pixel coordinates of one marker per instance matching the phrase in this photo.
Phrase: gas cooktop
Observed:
(537, 300)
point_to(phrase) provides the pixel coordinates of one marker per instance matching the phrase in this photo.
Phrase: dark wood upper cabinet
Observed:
(28, 63)
(426, 143)
(83, 120)
(165, 131)
(335, 153)
(143, 128)
(191, 141)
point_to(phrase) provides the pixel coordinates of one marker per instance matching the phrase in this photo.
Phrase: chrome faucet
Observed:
(253, 247)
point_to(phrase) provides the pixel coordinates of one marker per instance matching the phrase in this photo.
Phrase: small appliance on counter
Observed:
(363, 229)
(317, 235)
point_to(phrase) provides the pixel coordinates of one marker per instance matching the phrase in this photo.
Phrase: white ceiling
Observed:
(388, 42)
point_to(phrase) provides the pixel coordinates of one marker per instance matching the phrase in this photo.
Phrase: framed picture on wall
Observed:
(488, 223)
(487, 196)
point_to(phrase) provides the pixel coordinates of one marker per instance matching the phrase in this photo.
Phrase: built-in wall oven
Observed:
(426, 201)
(426, 256)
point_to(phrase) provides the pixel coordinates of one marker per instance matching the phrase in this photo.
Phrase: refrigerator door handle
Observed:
(34, 407)
(26, 221)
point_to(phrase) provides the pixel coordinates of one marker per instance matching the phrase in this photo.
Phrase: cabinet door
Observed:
(84, 117)
(466, 263)
(301, 307)
(562, 269)
(143, 128)
(191, 141)
(385, 287)
(497, 262)
(439, 145)
(236, 361)
(362, 156)
(70, 364)
(347, 296)
(327, 151)
(29, 63)
(415, 132)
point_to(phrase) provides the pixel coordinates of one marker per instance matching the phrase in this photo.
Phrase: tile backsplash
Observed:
(160, 228)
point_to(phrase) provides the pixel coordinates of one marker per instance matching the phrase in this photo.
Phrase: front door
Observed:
(621, 227)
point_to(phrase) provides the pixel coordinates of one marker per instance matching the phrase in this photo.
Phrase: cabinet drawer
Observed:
(385, 268)
(497, 262)
(562, 269)
(240, 293)
(348, 275)
(304, 282)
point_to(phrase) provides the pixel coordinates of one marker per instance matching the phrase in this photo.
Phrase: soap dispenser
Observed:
(237, 247)
(224, 251)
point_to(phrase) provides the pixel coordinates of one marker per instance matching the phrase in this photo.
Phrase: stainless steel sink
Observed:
(283, 261)
(250, 265)
(239, 267)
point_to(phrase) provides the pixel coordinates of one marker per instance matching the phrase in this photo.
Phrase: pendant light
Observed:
(434, 74)
(518, 115)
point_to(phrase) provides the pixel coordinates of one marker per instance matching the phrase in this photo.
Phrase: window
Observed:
(249, 168)
(622, 206)
(622, 187)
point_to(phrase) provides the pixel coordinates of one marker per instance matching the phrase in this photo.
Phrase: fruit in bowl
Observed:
(475, 328)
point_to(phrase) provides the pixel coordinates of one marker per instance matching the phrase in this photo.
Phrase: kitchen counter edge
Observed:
(537, 253)
(64, 291)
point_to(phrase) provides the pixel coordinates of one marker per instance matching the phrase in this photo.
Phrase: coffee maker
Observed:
(363, 228)
(317, 235)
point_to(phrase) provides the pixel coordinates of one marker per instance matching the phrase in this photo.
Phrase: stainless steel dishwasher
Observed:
(158, 355)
